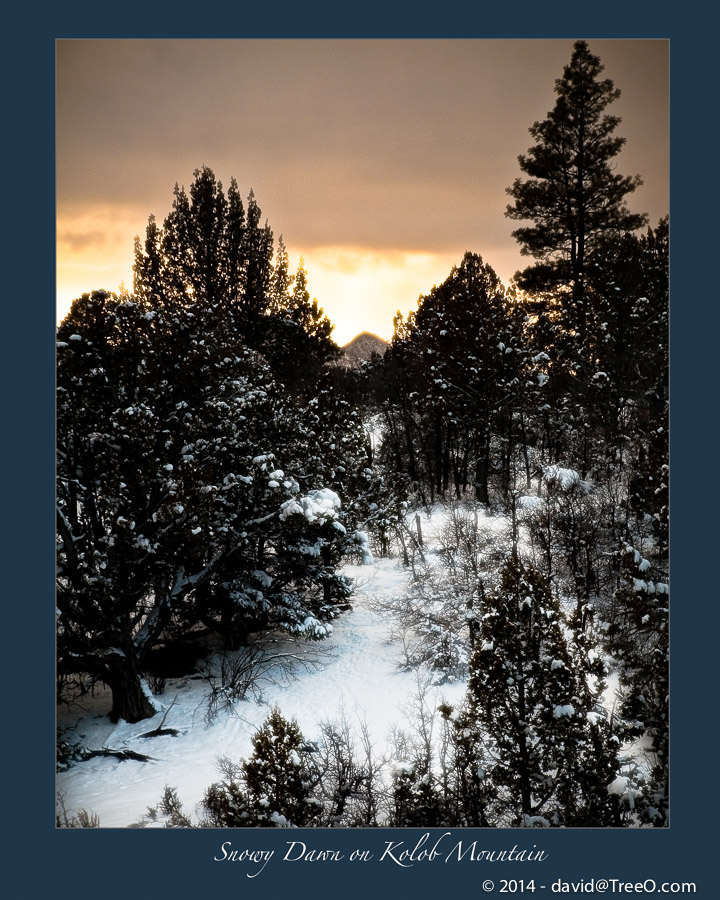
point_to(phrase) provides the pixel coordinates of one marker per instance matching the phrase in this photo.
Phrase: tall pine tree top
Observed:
(573, 195)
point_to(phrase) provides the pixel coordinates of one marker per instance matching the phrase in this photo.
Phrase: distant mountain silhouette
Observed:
(360, 349)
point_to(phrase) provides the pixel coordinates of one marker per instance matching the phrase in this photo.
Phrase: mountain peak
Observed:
(360, 349)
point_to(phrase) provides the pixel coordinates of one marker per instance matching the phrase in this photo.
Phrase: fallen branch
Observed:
(116, 754)
(157, 732)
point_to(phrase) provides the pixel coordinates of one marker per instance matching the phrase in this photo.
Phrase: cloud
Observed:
(80, 241)
(382, 157)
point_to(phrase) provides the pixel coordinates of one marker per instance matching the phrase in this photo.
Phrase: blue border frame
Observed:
(152, 864)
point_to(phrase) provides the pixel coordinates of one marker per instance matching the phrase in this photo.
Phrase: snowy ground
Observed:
(357, 676)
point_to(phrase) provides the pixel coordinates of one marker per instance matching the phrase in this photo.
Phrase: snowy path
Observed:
(358, 677)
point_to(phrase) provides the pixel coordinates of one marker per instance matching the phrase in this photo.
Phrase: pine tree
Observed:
(548, 750)
(573, 195)
(451, 370)
(273, 788)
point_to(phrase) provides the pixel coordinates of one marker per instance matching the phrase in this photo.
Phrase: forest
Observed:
(222, 479)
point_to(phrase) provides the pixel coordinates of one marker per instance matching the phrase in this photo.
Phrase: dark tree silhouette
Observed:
(573, 195)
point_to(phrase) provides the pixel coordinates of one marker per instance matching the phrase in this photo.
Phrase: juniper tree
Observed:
(297, 339)
(214, 256)
(192, 485)
(172, 503)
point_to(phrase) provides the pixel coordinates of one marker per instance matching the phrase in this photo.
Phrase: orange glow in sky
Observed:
(381, 162)
(359, 289)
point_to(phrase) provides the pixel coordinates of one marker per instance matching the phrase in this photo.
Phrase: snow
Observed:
(317, 506)
(536, 822)
(358, 677)
(357, 674)
(618, 786)
(560, 477)
(530, 503)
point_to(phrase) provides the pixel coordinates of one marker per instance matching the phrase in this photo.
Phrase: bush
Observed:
(273, 788)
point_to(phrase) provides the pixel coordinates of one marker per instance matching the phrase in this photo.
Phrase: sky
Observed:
(380, 162)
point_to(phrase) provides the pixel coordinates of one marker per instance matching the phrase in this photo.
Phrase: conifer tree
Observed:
(274, 787)
(452, 369)
(212, 255)
(573, 195)
(548, 750)
(172, 504)
(469, 794)
(417, 802)
(639, 639)
(626, 390)
(297, 340)
(282, 281)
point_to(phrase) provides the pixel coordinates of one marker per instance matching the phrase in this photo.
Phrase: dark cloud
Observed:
(405, 144)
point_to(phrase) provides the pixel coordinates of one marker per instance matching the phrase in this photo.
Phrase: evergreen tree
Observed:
(203, 254)
(452, 371)
(282, 281)
(548, 748)
(468, 792)
(297, 340)
(573, 195)
(172, 506)
(416, 798)
(273, 788)
(213, 256)
(576, 202)
(627, 338)
(639, 639)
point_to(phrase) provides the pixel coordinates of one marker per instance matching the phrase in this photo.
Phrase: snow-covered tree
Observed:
(638, 637)
(273, 788)
(549, 755)
(194, 484)
(172, 505)
(450, 371)
(212, 255)
(416, 798)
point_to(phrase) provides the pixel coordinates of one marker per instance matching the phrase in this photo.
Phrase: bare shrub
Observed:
(236, 675)
(348, 776)
(167, 813)
(435, 620)
(83, 818)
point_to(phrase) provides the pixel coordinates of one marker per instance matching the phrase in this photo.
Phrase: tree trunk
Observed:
(482, 471)
(526, 459)
(129, 699)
